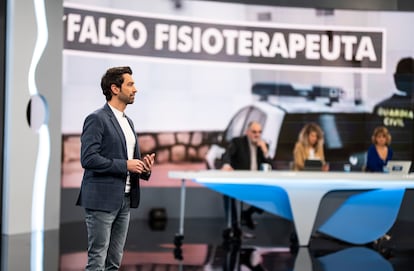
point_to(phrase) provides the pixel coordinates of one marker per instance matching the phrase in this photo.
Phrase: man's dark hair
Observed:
(113, 76)
(405, 66)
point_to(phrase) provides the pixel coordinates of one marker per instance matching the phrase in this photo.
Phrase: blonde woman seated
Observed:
(380, 152)
(309, 146)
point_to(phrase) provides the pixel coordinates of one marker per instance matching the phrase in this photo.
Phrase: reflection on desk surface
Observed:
(204, 250)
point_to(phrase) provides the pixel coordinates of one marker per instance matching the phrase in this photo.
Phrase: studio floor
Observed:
(152, 245)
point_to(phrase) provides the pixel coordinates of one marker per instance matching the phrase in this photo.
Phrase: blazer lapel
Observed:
(117, 127)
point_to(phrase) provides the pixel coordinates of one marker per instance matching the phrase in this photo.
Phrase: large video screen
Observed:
(205, 69)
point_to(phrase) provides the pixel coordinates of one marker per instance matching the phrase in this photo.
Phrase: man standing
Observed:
(245, 153)
(113, 167)
(396, 112)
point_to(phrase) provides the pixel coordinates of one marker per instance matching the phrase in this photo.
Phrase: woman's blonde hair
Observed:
(381, 130)
(306, 130)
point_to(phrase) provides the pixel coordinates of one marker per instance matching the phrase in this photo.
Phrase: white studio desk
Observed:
(297, 195)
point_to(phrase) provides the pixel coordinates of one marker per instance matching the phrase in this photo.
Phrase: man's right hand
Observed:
(262, 144)
(135, 166)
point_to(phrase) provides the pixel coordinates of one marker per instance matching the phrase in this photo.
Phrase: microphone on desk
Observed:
(265, 167)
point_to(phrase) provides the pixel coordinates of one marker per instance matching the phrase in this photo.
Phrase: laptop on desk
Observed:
(313, 165)
(398, 167)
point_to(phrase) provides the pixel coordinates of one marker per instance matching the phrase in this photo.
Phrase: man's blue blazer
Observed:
(104, 159)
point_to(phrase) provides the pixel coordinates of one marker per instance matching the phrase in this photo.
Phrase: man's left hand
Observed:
(148, 162)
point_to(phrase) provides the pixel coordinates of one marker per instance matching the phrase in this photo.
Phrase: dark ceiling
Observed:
(389, 5)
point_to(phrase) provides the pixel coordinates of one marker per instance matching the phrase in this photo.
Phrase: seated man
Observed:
(245, 153)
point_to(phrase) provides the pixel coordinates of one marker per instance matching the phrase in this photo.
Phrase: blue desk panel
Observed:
(297, 195)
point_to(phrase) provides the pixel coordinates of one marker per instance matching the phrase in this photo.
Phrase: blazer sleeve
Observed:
(230, 152)
(100, 149)
(371, 159)
(262, 157)
(298, 157)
